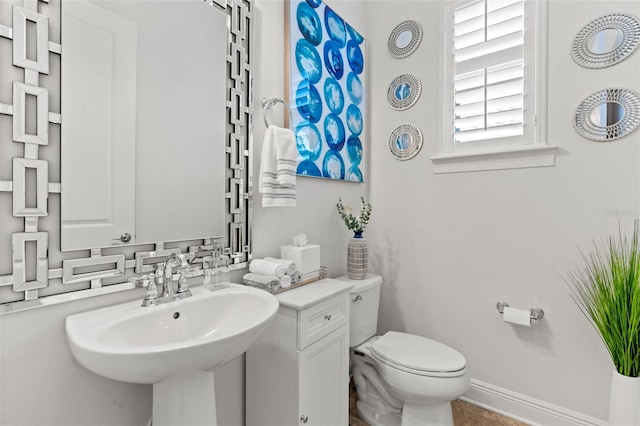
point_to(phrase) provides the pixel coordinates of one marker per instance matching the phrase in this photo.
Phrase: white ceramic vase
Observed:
(624, 402)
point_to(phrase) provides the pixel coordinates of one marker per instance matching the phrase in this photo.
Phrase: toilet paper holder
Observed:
(536, 313)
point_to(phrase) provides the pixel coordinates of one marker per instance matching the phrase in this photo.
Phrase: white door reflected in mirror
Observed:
(143, 134)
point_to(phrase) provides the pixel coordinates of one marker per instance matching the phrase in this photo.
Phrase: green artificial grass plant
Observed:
(607, 290)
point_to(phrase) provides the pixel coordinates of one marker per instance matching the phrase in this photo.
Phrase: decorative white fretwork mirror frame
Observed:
(38, 273)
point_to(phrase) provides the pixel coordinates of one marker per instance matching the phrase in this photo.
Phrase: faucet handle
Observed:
(185, 259)
(148, 281)
(160, 273)
(151, 297)
(183, 287)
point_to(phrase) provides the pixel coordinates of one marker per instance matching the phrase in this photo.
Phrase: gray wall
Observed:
(449, 246)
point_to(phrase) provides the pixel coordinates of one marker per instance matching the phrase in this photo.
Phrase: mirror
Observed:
(405, 142)
(607, 115)
(405, 39)
(144, 133)
(606, 41)
(404, 92)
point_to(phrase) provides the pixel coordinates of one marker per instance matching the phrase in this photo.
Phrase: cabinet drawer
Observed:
(321, 319)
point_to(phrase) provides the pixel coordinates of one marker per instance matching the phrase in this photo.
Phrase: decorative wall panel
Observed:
(146, 260)
(20, 166)
(20, 18)
(20, 92)
(37, 271)
(20, 282)
(71, 276)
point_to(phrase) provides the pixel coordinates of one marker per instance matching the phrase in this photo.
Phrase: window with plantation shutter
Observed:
(494, 88)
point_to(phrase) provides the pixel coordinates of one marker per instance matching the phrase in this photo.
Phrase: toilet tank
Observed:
(365, 297)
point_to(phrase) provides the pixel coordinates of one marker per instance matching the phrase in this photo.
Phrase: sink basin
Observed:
(174, 346)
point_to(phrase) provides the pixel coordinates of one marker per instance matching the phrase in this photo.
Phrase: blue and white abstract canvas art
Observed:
(326, 92)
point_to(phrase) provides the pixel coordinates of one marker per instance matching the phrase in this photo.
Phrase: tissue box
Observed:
(306, 258)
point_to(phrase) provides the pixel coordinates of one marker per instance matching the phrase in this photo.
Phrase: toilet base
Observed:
(412, 415)
(439, 414)
(374, 418)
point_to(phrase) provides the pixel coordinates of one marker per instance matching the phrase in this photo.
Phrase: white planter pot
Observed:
(624, 402)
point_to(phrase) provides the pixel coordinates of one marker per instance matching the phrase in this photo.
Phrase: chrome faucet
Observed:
(163, 277)
(175, 260)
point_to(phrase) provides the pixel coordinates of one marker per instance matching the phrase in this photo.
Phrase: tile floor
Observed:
(464, 414)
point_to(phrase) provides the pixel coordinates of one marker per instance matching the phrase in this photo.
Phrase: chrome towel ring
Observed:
(268, 103)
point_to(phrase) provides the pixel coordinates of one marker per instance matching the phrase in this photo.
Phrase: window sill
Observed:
(519, 158)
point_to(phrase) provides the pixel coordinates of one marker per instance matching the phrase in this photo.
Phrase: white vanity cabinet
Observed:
(297, 373)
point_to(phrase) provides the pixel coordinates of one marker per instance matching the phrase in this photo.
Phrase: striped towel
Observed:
(277, 179)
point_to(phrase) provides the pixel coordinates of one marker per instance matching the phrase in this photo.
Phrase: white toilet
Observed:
(401, 379)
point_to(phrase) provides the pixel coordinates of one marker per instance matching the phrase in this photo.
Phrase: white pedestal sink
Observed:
(174, 346)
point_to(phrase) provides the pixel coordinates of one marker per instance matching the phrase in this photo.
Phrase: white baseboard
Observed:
(524, 408)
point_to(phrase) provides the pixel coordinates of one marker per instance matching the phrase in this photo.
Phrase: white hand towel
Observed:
(287, 156)
(289, 265)
(285, 282)
(296, 277)
(268, 280)
(264, 267)
(277, 179)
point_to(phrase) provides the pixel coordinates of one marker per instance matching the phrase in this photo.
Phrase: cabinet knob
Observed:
(304, 418)
(357, 299)
(328, 318)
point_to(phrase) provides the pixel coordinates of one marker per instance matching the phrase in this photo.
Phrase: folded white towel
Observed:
(296, 277)
(285, 282)
(264, 267)
(289, 265)
(268, 280)
(277, 179)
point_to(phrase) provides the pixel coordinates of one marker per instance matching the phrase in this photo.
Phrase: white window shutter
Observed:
(488, 68)
(493, 113)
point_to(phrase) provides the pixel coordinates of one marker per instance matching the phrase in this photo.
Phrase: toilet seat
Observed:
(418, 355)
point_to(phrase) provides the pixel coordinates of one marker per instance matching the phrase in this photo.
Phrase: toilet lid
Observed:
(411, 352)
